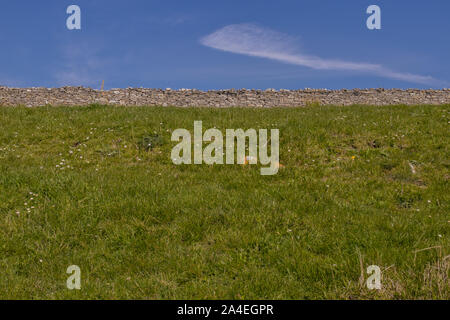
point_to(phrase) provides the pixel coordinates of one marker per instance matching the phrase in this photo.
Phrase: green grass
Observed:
(139, 226)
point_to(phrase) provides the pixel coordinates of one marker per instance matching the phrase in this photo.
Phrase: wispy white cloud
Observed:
(76, 78)
(252, 40)
(81, 65)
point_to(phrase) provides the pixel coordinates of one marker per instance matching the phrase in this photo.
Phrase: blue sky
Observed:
(226, 44)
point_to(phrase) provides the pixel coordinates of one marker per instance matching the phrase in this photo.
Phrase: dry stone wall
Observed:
(80, 96)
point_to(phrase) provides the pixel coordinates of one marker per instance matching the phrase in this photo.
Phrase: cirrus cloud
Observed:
(252, 40)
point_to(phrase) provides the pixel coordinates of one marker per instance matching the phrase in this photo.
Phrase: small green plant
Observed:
(148, 142)
(312, 103)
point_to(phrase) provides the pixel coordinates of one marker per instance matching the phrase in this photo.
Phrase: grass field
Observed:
(360, 186)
